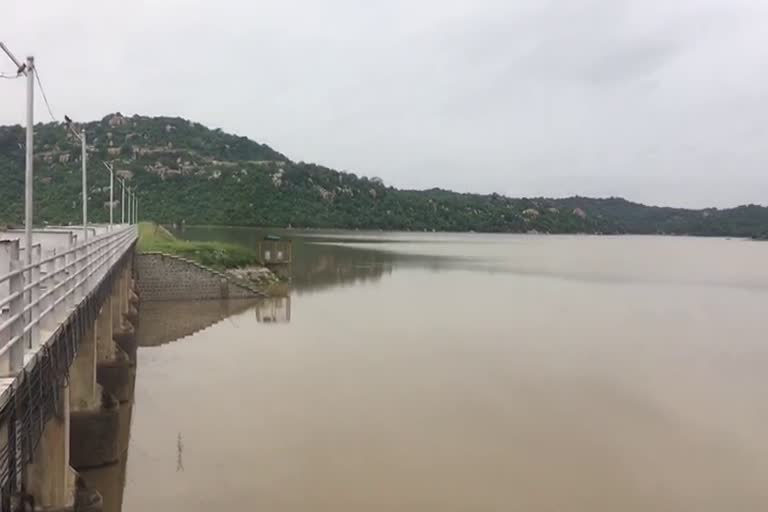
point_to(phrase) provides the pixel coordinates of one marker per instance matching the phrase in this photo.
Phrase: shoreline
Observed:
(436, 232)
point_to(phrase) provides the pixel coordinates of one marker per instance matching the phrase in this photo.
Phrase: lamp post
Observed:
(84, 158)
(111, 170)
(122, 203)
(28, 70)
(85, 184)
(130, 200)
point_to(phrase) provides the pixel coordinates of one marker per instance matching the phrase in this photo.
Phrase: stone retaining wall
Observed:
(167, 277)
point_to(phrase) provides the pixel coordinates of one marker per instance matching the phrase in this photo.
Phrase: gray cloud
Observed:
(662, 101)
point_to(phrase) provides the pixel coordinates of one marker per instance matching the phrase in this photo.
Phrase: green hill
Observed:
(185, 171)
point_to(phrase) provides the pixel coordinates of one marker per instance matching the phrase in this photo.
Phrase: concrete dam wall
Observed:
(168, 277)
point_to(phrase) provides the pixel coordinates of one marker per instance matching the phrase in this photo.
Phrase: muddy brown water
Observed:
(462, 373)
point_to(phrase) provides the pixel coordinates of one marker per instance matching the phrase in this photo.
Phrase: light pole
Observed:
(84, 158)
(122, 203)
(111, 193)
(29, 164)
(28, 69)
(130, 200)
(85, 186)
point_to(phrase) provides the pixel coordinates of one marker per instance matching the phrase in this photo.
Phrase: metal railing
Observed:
(36, 298)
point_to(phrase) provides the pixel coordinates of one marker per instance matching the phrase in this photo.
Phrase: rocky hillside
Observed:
(187, 172)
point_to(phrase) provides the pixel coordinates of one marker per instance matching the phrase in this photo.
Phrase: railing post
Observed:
(87, 247)
(99, 254)
(108, 256)
(9, 256)
(34, 296)
(71, 269)
(61, 275)
(52, 279)
(13, 360)
(81, 256)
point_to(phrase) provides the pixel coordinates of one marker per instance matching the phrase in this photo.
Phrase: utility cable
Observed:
(45, 97)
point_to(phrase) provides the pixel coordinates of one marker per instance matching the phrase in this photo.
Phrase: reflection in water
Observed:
(161, 323)
(166, 321)
(274, 310)
(574, 373)
(110, 480)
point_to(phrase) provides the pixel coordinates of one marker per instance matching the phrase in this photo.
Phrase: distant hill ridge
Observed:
(185, 171)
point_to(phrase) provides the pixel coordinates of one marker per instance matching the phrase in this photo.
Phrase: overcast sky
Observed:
(659, 101)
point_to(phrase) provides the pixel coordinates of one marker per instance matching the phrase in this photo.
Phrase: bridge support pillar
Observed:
(94, 439)
(105, 345)
(114, 370)
(50, 479)
(85, 393)
(133, 298)
(125, 290)
(123, 331)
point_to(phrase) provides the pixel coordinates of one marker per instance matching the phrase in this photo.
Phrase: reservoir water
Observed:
(442, 372)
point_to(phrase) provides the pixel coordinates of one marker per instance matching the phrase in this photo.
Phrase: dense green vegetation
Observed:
(186, 172)
(154, 238)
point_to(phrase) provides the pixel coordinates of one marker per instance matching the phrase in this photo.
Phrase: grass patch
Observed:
(151, 234)
(155, 238)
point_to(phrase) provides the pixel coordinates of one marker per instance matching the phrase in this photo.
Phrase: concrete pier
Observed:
(50, 478)
(114, 366)
(93, 439)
